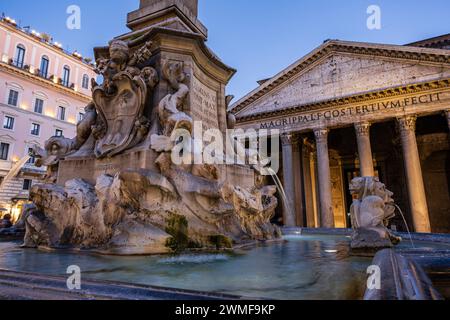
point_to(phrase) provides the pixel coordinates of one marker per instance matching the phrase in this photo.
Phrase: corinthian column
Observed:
(289, 142)
(364, 149)
(416, 189)
(323, 164)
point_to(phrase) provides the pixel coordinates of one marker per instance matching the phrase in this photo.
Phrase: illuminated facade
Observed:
(43, 92)
(352, 109)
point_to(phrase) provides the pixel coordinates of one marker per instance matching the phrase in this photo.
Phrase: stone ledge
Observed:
(401, 279)
(433, 237)
(28, 286)
(154, 12)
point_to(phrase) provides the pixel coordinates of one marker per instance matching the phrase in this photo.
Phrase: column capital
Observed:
(288, 139)
(321, 134)
(363, 128)
(407, 123)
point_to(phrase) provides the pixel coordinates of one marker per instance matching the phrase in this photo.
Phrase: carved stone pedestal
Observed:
(116, 188)
(366, 242)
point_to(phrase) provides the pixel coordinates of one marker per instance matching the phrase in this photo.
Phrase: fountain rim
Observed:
(428, 237)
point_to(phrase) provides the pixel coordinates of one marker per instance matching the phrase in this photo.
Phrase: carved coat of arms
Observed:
(120, 101)
(120, 113)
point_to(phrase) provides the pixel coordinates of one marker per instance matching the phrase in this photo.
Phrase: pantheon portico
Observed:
(352, 109)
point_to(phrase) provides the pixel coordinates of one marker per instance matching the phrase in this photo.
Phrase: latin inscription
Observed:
(204, 106)
(353, 111)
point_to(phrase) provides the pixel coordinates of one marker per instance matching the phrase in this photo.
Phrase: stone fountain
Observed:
(372, 208)
(114, 188)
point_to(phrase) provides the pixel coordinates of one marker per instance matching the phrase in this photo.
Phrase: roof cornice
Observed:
(431, 42)
(416, 54)
(47, 46)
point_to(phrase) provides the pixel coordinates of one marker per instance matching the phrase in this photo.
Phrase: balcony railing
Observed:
(41, 74)
(18, 64)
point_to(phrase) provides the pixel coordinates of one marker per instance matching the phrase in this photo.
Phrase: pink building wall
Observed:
(31, 86)
(10, 38)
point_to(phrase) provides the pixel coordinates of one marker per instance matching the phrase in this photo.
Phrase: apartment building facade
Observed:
(43, 92)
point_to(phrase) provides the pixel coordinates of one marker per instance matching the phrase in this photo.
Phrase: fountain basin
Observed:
(315, 265)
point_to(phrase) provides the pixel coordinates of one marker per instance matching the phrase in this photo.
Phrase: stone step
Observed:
(19, 285)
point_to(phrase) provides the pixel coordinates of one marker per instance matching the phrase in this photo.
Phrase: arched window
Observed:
(66, 76)
(85, 83)
(43, 70)
(20, 56)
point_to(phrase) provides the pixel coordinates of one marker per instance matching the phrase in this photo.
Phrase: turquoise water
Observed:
(303, 267)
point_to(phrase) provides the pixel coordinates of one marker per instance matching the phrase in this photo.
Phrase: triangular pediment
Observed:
(342, 69)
